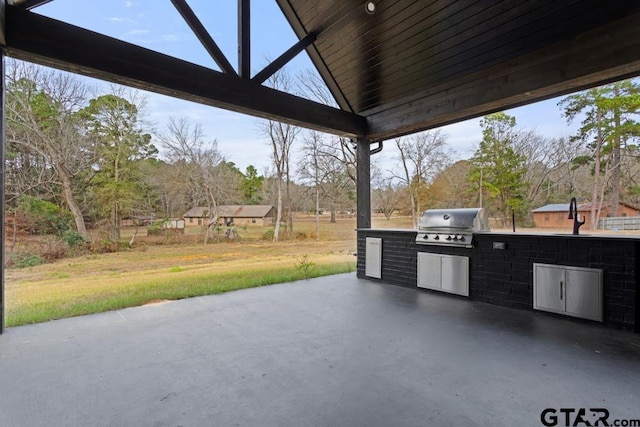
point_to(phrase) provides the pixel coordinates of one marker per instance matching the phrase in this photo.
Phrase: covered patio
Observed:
(325, 352)
(393, 68)
(338, 350)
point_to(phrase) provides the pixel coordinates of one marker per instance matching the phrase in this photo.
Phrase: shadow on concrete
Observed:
(333, 351)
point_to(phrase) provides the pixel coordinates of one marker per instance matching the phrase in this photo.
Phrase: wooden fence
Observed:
(620, 223)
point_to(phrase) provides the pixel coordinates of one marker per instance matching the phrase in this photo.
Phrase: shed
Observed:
(258, 215)
(137, 220)
(556, 215)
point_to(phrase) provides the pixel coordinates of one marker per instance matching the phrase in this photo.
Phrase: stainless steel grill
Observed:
(451, 227)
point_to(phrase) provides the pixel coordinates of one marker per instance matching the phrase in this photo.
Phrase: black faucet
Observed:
(573, 214)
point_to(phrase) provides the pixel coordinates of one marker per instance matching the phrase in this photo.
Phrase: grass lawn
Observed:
(144, 274)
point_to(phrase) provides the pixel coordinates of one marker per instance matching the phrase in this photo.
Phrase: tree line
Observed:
(77, 159)
(515, 170)
(90, 159)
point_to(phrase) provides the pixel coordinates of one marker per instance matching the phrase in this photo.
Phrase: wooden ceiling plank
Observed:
(341, 30)
(398, 19)
(437, 44)
(599, 56)
(450, 63)
(403, 53)
(491, 51)
(374, 44)
(398, 24)
(43, 40)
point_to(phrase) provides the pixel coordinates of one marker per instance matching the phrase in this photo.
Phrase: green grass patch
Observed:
(182, 285)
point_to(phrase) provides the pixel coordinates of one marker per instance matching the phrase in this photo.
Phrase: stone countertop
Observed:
(560, 234)
(387, 230)
(522, 234)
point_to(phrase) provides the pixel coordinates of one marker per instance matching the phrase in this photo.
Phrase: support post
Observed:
(363, 183)
(244, 38)
(2, 176)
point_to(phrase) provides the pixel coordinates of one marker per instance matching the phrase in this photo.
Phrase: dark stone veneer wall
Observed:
(505, 277)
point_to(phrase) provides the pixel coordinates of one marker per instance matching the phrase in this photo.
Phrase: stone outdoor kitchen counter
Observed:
(501, 265)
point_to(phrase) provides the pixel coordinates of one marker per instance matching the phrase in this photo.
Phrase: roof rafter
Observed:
(283, 59)
(205, 38)
(28, 4)
(43, 40)
(244, 38)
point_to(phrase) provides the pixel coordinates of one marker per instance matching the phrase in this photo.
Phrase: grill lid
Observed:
(468, 219)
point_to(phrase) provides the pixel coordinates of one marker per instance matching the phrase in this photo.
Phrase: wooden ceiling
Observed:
(406, 46)
(455, 59)
(409, 66)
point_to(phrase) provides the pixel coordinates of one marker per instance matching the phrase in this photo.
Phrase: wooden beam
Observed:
(244, 38)
(205, 38)
(283, 59)
(363, 183)
(593, 58)
(43, 40)
(3, 39)
(28, 4)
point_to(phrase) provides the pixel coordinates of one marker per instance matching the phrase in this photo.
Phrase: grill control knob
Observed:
(426, 237)
(455, 237)
(449, 237)
(461, 238)
(437, 237)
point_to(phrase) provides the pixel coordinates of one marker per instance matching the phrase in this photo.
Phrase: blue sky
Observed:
(156, 25)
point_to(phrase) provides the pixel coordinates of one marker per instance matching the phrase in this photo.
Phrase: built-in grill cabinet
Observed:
(447, 273)
(451, 227)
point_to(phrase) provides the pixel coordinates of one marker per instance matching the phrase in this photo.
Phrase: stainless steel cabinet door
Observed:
(455, 274)
(548, 288)
(429, 270)
(584, 293)
(574, 291)
(373, 257)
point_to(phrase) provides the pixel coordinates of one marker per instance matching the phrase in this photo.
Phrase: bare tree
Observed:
(198, 160)
(281, 137)
(172, 190)
(340, 148)
(386, 197)
(336, 186)
(450, 188)
(309, 169)
(422, 156)
(41, 107)
(545, 162)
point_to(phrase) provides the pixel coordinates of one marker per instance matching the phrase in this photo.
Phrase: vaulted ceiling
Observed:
(407, 66)
(412, 65)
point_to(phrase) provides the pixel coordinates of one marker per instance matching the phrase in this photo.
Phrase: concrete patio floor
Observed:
(333, 351)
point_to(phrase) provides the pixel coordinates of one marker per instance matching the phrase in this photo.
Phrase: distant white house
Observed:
(177, 224)
(259, 215)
